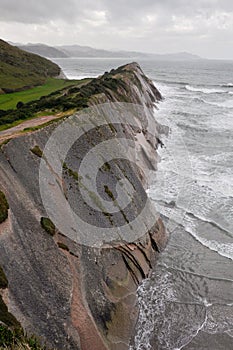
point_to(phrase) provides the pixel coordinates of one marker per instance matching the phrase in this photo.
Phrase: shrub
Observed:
(3, 113)
(48, 226)
(73, 90)
(4, 206)
(20, 104)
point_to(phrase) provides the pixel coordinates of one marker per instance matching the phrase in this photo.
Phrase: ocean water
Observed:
(187, 303)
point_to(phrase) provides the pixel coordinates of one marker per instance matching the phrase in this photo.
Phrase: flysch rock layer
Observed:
(70, 295)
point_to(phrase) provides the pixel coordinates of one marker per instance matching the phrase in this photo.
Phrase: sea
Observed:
(187, 303)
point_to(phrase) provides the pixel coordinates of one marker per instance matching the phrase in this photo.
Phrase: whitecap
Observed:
(73, 76)
(227, 85)
(224, 104)
(203, 90)
(223, 249)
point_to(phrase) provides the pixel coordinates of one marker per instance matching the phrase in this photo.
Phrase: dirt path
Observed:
(17, 130)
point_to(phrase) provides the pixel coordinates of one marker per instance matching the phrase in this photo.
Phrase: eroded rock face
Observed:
(71, 295)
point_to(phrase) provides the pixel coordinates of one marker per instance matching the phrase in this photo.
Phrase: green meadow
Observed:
(9, 101)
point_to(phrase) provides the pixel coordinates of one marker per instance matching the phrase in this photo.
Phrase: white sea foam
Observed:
(73, 76)
(228, 85)
(203, 90)
(223, 104)
(210, 219)
(223, 249)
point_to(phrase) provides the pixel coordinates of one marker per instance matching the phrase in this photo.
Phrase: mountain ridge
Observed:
(77, 51)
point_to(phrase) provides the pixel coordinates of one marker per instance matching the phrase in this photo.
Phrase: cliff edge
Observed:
(75, 296)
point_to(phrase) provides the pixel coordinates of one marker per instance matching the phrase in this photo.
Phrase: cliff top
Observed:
(127, 84)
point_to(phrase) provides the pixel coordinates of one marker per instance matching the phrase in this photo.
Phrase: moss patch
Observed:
(63, 246)
(37, 151)
(72, 173)
(6, 317)
(3, 279)
(4, 206)
(106, 167)
(48, 226)
(109, 192)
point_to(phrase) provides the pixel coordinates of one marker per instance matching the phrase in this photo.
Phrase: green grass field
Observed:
(9, 101)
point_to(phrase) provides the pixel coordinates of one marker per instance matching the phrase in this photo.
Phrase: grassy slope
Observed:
(9, 101)
(19, 69)
(42, 102)
(73, 98)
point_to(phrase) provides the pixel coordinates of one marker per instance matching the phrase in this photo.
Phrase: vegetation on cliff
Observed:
(12, 337)
(16, 340)
(3, 207)
(10, 101)
(6, 318)
(20, 69)
(112, 86)
(57, 101)
(48, 226)
(37, 151)
(3, 279)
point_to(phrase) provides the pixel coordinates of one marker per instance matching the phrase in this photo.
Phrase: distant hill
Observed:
(20, 70)
(43, 50)
(180, 56)
(87, 51)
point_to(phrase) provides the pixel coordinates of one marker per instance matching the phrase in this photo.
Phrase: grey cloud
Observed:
(132, 24)
(30, 11)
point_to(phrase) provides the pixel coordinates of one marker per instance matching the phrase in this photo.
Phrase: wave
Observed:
(224, 104)
(204, 90)
(170, 82)
(213, 87)
(212, 223)
(223, 249)
(227, 85)
(72, 76)
(172, 204)
(190, 127)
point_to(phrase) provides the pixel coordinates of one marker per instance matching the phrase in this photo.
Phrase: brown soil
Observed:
(16, 131)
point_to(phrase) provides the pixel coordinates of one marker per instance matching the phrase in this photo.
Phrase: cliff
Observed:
(74, 295)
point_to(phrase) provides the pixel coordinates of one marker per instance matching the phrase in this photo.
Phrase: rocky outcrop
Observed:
(75, 296)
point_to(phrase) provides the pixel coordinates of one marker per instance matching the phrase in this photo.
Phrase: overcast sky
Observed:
(203, 27)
